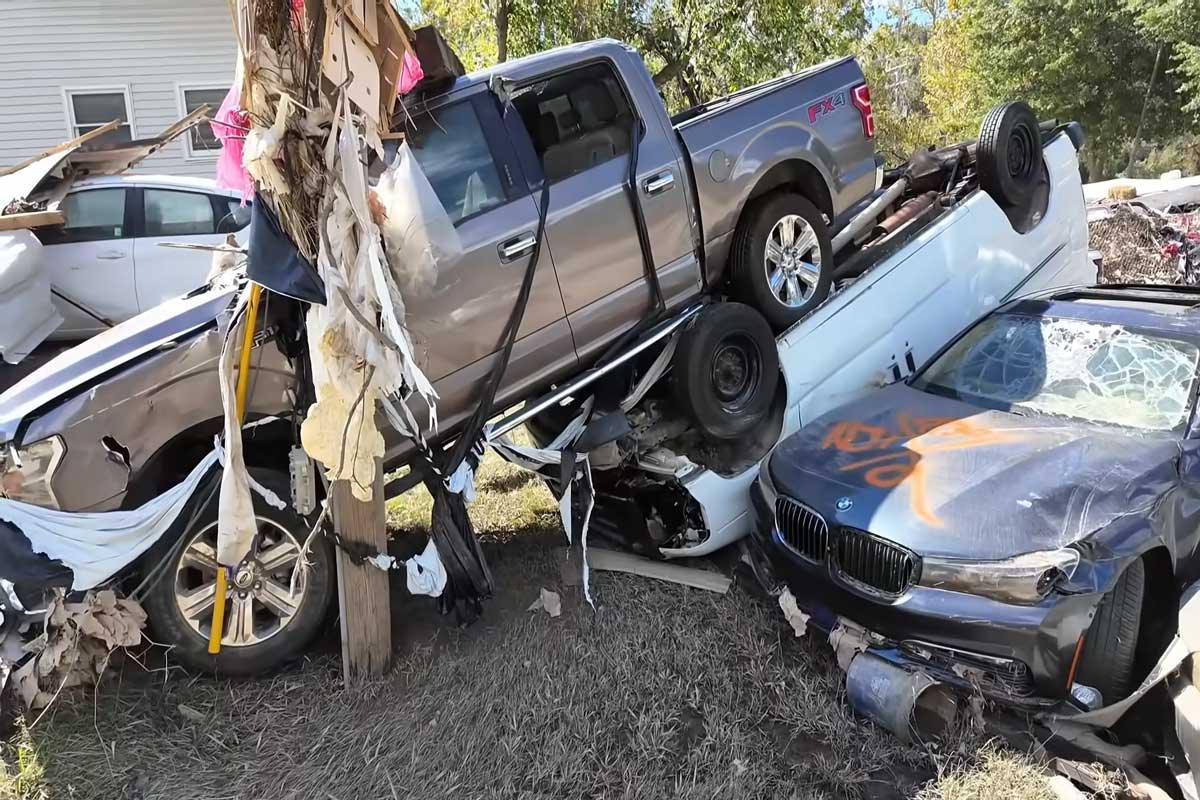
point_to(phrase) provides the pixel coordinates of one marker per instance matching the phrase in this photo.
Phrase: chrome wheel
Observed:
(792, 260)
(259, 602)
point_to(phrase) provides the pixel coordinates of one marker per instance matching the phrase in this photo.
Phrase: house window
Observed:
(89, 109)
(201, 140)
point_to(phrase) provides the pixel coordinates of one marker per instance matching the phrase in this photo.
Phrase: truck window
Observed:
(576, 120)
(452, 150)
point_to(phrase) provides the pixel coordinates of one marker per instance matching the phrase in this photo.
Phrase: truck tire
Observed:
(275, 627)
(725, 370)
(782, 260)
(1110, 644)
(1009, 154)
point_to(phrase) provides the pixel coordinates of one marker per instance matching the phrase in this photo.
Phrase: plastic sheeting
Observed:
(96, 546)
(236, 526)
(419, 237)
(27, 315)
(230, 126)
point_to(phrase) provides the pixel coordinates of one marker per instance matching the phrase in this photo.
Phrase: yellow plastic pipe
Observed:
(218, 620)
(243, 384)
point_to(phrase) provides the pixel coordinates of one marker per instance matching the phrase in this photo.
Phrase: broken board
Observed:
(613, 561)
(394, 41)
(347, 59)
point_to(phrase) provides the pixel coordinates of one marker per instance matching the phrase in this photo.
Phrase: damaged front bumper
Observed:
(1017, 654)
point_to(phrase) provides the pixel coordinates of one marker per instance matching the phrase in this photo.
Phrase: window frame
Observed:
(70, 91)
(141, 231)
(512, 178)
(181, 89)
(129, 219)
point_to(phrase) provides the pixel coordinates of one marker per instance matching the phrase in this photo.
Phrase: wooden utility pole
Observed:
(364, 598)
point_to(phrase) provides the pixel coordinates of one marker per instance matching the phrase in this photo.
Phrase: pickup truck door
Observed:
(456, 330)
(581, 124)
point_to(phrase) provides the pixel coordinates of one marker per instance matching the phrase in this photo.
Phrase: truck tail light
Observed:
(861, 95)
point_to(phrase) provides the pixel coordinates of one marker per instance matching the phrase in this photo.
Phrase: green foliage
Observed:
(1175, 23)
(697, 49)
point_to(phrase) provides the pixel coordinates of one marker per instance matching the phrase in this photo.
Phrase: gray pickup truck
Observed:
(736, 199)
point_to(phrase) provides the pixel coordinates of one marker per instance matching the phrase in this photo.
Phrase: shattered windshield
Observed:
(1075, 368)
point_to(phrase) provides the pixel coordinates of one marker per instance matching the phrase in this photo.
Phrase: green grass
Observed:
(662, 691)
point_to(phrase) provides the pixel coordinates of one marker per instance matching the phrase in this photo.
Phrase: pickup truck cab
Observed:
(774, 162)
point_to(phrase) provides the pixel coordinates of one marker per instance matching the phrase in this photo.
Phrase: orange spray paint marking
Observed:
(921, 437)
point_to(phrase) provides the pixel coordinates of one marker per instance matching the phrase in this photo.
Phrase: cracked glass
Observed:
(1075, 368)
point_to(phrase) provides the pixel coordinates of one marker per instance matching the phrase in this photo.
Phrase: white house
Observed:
(67, 66)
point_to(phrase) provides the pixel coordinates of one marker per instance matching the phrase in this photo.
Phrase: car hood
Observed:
(78, 367)
(942, 477)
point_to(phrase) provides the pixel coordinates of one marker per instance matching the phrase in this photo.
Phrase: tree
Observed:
(1087, 60)
(696, 49)
(1175, 23)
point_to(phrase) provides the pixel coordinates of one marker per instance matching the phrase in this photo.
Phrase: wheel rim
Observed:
(1020, 152)
(736, 371)
(792, 261)
(259, 603)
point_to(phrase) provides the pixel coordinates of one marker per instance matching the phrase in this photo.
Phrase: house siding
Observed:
(152, 47)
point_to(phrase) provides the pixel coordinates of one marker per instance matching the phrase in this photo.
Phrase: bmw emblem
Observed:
(844, 504)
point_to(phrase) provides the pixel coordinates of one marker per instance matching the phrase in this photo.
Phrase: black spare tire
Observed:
(1009, 154)
(726, 369)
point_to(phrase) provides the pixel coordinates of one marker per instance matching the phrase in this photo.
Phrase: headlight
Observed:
(1023, 579)
(28, 476)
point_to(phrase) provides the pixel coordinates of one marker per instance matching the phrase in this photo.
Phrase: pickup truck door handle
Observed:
(659, 183)
(516, 247)
(111, 255)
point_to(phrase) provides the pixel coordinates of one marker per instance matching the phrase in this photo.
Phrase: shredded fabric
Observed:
(98, 545)
(236, 527)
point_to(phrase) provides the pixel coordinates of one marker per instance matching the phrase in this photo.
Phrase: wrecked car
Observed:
(127, 414)
(948, 248)
(1016, 517)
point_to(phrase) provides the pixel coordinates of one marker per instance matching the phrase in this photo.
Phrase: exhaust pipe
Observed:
(911, 705)
(866, 218)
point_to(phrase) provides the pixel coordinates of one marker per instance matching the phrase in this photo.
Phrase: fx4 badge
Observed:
(826, 105)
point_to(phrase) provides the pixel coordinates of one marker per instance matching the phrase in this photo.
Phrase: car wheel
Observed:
(1009, 154)
(782, 261)
(725, 370)
(266, 623)
(1110, 644)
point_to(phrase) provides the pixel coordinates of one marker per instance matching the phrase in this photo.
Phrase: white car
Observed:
(106, 265)
(899, 313)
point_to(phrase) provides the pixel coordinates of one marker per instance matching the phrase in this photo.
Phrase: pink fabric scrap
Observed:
(410, 72)
(230, 126)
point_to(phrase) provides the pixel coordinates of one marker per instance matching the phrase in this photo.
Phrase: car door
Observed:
(581, 123)
(179, 216)
(90, 261)
(457, 327)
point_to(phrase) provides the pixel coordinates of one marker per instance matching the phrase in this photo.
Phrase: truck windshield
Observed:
(1085, 370)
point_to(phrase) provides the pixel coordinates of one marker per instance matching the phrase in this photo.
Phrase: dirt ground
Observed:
(662, 691)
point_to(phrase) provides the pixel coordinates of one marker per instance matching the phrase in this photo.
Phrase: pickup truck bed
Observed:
(823, 150)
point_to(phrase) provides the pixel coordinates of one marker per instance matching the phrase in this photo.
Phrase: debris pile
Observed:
(77, 643)
(1141, 245)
